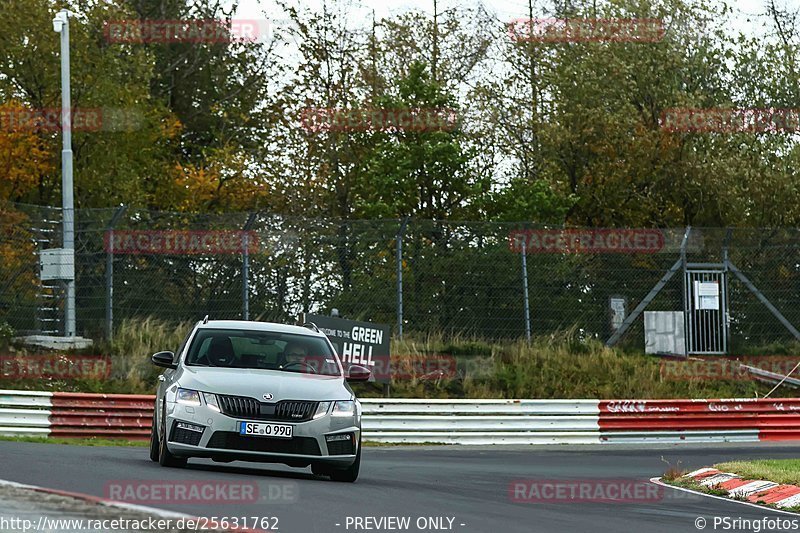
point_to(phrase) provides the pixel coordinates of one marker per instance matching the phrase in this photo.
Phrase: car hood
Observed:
(256, 382)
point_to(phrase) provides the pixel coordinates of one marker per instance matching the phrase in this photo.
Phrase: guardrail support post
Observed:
(525, 291)
(399, 259)
(110, 272)
(246, 267)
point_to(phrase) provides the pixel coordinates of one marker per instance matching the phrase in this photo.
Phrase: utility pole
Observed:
(61, 25)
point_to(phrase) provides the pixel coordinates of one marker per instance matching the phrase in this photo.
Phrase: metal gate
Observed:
(706, 311)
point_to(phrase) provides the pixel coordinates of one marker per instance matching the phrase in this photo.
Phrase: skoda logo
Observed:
(267, 396)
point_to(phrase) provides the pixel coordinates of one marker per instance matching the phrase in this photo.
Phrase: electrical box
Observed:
(57, 264)
(706, 295)
(664, 333)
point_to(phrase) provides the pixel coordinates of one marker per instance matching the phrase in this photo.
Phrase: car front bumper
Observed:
(220, 429)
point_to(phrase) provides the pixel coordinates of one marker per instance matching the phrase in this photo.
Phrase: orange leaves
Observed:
(16, 251)
(223, 183)
(25, 157)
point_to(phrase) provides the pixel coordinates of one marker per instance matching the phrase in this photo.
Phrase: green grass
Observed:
(786, 471)
(563, 365)
(139, 443)
(77, 442)
(781, 471)
(554, 366)
(373, 444)
(693, 485)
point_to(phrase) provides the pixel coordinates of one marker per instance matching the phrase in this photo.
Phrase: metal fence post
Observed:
(399, 256)
(246, 266)
(525, 290)
(110, 272)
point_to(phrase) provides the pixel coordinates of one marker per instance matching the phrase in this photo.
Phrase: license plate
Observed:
(255, 429)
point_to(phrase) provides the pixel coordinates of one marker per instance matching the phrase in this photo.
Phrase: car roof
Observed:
(252, 325)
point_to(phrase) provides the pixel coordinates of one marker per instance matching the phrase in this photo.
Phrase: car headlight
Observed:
(188, 397)
(211, 401)
(344, 408)
(322, 409)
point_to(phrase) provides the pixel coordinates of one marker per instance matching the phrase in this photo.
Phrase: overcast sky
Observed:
(503, 9)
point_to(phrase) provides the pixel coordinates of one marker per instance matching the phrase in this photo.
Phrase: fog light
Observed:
(340, 436)
(190, 427)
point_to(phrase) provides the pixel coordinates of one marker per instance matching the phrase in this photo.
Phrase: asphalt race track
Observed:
(469, 485)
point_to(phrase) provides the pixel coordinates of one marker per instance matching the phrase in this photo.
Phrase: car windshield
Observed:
(287, 352)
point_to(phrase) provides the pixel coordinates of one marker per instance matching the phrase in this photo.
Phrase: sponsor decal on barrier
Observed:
(580, 241)
(638, 406)
(181, 242)
(193, 492)
(584, 491)
(577, 30)
(54, 366)
(608, 408)
(316, 119)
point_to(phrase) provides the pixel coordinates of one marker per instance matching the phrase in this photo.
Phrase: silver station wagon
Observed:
(258, 391)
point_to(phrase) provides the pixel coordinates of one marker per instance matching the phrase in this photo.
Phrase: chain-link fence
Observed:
(474, 279)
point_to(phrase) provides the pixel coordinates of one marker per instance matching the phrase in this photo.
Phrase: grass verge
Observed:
(139, 443)
(784, 471)
(781, 471)
(564, 365)
(76, 442)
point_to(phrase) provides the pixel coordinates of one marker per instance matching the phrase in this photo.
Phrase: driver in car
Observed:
(295, 354)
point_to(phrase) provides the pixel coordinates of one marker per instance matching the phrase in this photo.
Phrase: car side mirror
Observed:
(358, 373)
(164, 359)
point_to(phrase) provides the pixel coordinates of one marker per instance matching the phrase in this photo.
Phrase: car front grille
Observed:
(239, 406)
(230, 440)
(292, 410)
(285, 410)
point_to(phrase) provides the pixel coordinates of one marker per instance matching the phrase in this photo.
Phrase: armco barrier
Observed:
(447, 421)
(745, 419)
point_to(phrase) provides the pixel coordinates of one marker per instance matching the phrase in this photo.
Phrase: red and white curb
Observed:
(750, 490)
(657, 481)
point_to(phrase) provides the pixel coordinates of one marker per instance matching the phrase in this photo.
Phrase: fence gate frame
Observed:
(719, 269)
(707, 330)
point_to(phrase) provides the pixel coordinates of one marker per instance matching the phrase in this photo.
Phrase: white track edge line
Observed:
(163, 513)
(657, 481)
